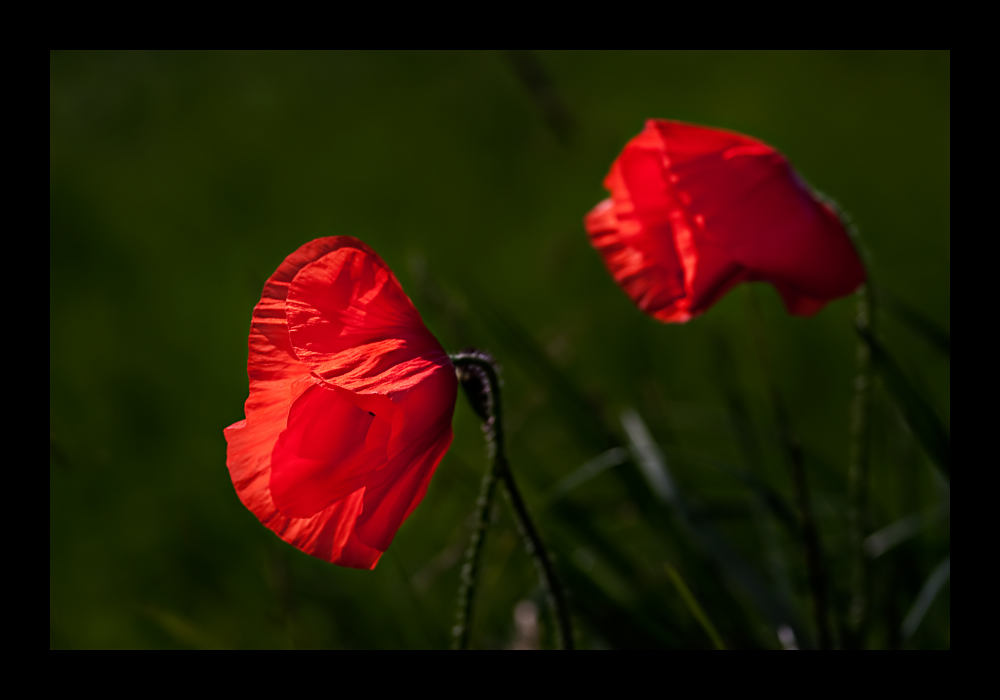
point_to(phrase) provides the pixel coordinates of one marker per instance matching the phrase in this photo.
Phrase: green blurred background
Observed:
(179, 182)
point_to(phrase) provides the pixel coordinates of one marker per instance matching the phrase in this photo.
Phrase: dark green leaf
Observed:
(923, 421)
(915, 320)
(935, 582)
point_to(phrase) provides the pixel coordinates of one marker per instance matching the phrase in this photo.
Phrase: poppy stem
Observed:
(479, 366)
(859, 516)
(470, 565)
(793, 453)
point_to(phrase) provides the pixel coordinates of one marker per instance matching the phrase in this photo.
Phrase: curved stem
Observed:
(543, 563)
(482, 365)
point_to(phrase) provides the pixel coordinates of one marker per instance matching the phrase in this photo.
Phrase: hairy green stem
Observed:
(470, 565)
(492, 411)
(859, 517)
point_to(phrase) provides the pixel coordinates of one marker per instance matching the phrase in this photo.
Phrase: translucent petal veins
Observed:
(350, 405)
(694, 211)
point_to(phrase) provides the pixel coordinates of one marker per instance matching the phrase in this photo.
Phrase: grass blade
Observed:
(916, 321)
(919, 416)
(649, 457)
(590, 469)
(592, 431)
(811, 544)
(622, 626)
(737, 571)
(694, 607)
(589, 426)
(881, 541)
(182, 630)
(772, 501)
(935, 582)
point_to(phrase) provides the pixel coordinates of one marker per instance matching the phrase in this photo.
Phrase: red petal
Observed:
(326, 451)
(350, 321)
(418, 443)
(349, 393)
(695, 211)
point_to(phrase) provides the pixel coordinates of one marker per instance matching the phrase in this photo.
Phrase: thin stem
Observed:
(493, 409)
(793, 453)
(857, 473)
(470, 565)
(692, 603)
(543, 563)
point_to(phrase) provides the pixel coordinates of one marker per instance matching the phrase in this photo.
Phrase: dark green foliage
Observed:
(919, 416)
(178, 183)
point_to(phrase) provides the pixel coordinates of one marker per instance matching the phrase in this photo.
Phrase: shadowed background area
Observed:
(648, 453)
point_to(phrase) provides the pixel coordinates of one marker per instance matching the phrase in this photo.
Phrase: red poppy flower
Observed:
(694, 211)
(350, 406)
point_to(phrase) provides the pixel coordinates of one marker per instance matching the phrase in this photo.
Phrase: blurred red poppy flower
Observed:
(350, 407)
(694, 211)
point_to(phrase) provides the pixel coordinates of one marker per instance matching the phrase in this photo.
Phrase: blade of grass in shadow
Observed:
(578, 525)
(589, 428)
(650, 458)
(811, 545)
(916, 321)
(692, 603)
(573, 526)
(773, 501)
(740, 420)
(765, 500)
(590, 469)
(591, 431)
(580, 528)
(623, 627)
(881, 541)
(180, 629)
(740, 574)
(919, 416)
(935, 582)
(588, 424)
(623, 624)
